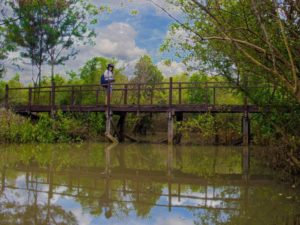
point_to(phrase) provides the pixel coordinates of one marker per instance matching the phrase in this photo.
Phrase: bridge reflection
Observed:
(100, 178)
(115, 185)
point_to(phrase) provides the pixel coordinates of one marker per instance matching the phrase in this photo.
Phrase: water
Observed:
(140, 184)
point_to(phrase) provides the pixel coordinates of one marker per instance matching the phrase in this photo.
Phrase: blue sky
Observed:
(122, 36)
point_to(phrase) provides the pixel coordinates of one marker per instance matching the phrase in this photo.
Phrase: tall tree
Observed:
(27, 33)
(146, 71)
(257, 41)
(5, 45)
(91, 72)
(246, 37)
(50, 30)
(68, 24)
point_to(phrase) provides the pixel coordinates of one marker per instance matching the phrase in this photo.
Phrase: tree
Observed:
(244, 37)
(201, 94)
(146, 71)
(49, 30)
(249, 42)
(91, 72)
(5, 45)
(27, 33)
(68, 24)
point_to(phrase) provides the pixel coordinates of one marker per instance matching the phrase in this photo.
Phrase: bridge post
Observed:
(206, 94)
(52, 99)
(170, 114)
(125, 94)
(179, 94)
(29, 100)
(170, 127)
(108, 112)
(6, 96)
(178, 134)
(245, 118)
(246, 129)
(73, 97)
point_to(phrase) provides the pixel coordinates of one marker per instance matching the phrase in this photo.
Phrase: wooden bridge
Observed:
(172, 98)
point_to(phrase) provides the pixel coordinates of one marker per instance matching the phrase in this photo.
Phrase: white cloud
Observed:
(173, 221)
(173, 69)
(81, 217)
(118, 40)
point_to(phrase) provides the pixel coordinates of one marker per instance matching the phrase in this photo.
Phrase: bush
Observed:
(62, 128)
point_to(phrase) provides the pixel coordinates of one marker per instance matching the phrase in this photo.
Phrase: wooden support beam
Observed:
(139, 95)
(108, 114)
(171, 92)
(206, 94)
(214, 96)
(178, 135)
(125, 94)
(246, 129)
(108, 127)
(170, 114)
(73, 96)
(53, 99)
(179, 93)
(170, 127)
(29, 100)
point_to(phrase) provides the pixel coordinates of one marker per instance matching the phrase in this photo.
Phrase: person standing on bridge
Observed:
(107, 78)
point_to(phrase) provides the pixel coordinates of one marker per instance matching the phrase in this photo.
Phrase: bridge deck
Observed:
(201, 108)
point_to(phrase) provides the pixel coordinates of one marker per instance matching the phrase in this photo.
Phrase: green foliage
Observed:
(250, 43)
(207, 126)
(203, 124)
(202, 94)
(48, 32)
(6, 45)
(92, 70)
(146, 71)
(62, 128)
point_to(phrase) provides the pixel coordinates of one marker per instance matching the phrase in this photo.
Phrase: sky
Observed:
(122, 36)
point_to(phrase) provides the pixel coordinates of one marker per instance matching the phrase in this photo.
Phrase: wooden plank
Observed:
(125, 94)
(144, 108)
(29, 100)
(52, 98)
(139, 95)
(170, 92)
(73, 96)
(170, 128)
(179, 93)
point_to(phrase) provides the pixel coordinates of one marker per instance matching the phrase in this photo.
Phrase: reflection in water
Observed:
(122, 184)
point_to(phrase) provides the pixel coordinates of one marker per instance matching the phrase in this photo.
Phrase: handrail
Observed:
(168, 94)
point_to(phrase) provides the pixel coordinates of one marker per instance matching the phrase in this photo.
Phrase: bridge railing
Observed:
(163, 93)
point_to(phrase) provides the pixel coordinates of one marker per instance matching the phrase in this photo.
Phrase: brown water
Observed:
(140, 184)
